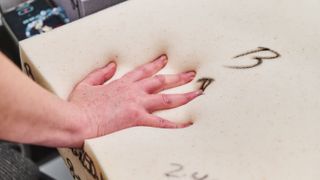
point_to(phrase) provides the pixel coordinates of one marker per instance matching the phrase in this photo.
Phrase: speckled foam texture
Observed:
(260, 123)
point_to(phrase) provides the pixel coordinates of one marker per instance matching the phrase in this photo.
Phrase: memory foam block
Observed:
(258, 120)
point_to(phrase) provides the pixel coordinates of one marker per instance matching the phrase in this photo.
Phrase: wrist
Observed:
(79, 127)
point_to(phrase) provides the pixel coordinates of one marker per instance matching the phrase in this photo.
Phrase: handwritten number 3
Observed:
(259, 59)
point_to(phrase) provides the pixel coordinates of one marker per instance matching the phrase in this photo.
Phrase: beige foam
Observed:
(259, 123)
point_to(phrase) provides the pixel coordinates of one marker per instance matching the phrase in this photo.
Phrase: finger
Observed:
(168, 101)
(147, 70)
(162, 82)
(158, 122)
(100, 75)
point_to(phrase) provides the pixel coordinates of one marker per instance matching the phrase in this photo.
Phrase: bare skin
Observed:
(30, 114)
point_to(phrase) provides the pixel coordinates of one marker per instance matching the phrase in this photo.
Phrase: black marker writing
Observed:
(173, 173)
(28, 70)
(195, 176)
(71, 169)
(205, 83)
(178, 172)
(259, 59)
(87, 163)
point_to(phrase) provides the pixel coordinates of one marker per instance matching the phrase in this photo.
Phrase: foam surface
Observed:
(258, 123)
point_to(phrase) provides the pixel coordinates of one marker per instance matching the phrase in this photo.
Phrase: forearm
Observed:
(30, 114)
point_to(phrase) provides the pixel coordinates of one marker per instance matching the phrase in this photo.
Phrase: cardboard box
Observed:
(76, 9)
(6, 5)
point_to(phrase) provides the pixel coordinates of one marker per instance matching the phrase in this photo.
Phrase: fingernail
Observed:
(112, 64)
(163, 58)
(188, 124)
(190, 74)
(199, 92)
(191, 123)
(194, 94)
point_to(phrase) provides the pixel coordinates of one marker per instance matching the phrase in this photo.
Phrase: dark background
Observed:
(8, 47)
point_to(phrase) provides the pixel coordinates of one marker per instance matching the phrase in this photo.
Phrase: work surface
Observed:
(258, 120)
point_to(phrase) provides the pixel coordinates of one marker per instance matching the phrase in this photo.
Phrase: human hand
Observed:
(130, 100)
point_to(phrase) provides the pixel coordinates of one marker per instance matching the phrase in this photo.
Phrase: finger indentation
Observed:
(147, 70)
(158, 122)
(159, 83)
(168, 101)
